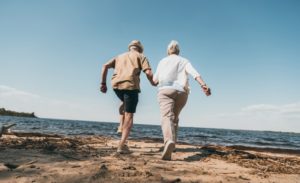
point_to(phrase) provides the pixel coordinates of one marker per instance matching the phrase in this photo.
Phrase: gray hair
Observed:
(173, 48)
(137, 44)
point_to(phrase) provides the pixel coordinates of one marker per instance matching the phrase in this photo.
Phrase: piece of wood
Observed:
(32, 134)
(5, 129)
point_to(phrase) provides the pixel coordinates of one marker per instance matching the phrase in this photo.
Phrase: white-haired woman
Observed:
(173, 89)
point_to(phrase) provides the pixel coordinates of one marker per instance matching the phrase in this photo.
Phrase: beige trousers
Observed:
(171, 102)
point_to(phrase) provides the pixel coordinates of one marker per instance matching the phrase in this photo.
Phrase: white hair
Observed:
(173, 47)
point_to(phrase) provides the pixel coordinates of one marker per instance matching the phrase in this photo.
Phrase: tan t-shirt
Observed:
(128, 67)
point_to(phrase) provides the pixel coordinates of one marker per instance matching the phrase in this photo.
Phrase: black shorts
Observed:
(130, 99)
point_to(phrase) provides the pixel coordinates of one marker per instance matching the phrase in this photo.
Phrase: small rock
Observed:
(130, 167)
(103, 167)
(241, 177)
(76, 166)
(145, 162)
(32, 166)
(177, 180)
(148, 174)
(11, 166)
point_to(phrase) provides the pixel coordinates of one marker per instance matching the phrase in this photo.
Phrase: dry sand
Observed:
(93, 159)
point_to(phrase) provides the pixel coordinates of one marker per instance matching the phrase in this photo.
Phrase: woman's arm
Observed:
(192, 71)
(149, 75)
(203, 85)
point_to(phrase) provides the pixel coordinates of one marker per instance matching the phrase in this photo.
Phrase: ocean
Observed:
(191, 135)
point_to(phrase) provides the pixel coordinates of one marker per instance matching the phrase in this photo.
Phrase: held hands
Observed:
(154, 83)
(206, 90)
(103, 88)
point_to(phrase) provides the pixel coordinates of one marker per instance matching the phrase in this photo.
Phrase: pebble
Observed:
(130, 167)
(11, 166)
(32, 166)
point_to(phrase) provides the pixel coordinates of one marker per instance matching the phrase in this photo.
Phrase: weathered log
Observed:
(32, 134)
(5, 129)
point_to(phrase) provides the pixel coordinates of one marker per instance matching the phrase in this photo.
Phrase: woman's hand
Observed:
(204, 87)
(206, 90)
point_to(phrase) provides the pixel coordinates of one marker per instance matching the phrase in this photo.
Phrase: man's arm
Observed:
(149, 75)
(105, 67)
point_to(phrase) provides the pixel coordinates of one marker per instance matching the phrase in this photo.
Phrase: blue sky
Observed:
(51, 53)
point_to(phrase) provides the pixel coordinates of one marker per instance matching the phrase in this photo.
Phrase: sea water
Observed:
(191, 135)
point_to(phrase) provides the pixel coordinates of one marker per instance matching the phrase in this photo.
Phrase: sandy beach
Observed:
(94, 159)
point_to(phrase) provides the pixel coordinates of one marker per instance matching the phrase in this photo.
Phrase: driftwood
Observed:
(32, 134)
(5, 130)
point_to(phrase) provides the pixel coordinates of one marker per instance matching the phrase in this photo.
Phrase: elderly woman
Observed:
(173, 89)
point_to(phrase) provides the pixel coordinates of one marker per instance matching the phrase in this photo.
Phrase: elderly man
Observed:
(126, 84)
(173, 89)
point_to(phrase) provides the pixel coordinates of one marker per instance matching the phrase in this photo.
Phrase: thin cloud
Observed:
(287, 110)
(6, 91)
(14, 99)
(260, 108)
(261, 117)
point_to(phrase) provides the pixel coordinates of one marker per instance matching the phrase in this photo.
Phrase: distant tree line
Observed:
(4, 112)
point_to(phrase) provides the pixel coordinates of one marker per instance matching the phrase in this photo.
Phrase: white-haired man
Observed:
(173, 89)
(126, 84)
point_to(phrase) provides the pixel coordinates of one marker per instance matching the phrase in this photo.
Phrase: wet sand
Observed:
(94, 159)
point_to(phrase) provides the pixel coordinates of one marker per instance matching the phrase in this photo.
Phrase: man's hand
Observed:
(154, 83)
(103, 88)
(206, 90)
(149, 75)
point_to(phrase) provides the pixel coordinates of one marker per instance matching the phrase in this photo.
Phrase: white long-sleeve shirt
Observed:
(172, 72)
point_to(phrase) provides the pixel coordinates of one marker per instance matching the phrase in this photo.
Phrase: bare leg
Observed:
(121, 112)
(128, 121)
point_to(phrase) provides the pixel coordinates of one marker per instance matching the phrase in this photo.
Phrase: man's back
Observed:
(126, 85)
(128, 67)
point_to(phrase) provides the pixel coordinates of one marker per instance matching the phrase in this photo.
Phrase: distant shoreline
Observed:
(4, 112)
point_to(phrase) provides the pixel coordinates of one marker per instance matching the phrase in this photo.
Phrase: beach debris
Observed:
(148, 174)
(76, 166)
(6, 129)
(103, 167)
(164, 180)
(145, 162)
(31, 162)
(243, 178)
(82, 148)
(101, 173)
(131, 173)
(49, 147)
(32, 166)
(69, 157)
(11, 166)
(130, 167)
(260, 162)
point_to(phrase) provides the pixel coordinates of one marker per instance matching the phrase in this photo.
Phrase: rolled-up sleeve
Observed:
(156, 75)
(111, 63)
(191, 70)
(145, 64)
